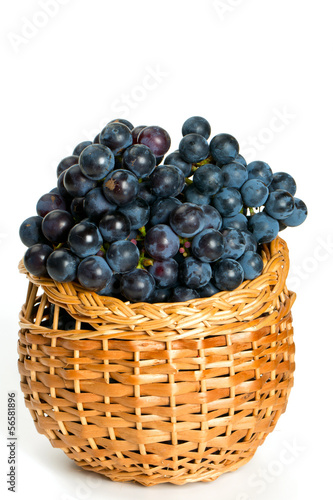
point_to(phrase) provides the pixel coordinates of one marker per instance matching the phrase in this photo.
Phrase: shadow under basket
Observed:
(154, 393)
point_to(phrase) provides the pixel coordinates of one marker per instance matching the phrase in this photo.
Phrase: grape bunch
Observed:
(129, 222)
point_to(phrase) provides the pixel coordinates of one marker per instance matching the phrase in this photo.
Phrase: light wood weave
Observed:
(178, 392)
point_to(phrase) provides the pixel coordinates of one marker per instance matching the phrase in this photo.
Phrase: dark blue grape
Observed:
(193, 148)
(161, 210)
(252, 265)
(136, 132)
(238, 221)
(298, 216)
(159, 295)
(140, 160)
(264, 228)
(96, 205)
(123, 256)
(165, 272)
(137, 286)
(282, 180)
(61, 187)
(146, 193)
(156, 138)
(116, 136)
(77, 208)
(176, 160)
(213, 219)
(196, 125)
(234, 174)
(208, 290)
(228, 274)
(192, 195)
(207, 246)
(35, 259)
(280, 204)
(96, 140)
(62, 266)
(208, 179)
(161, 242)
(138, 213)
(115, 227)
(260, 170)
(67, 162)
(250, 241)
(195, 274)
(183, 294)
(112, 289)
(187, 220)
(224, 148)
(31, 231)
(56, 226)
(228, 202)
(96, 161)
(240, 159)
(80, 147)
(124, 122)
(49, 202)
(85, 239)
(167, 181)
(77, 184)
(54, 191)
(93, 273)
(254, 193)
(234, 243)
(121, 187)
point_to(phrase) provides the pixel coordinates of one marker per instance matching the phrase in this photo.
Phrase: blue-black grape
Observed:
(96, 205)
(194, 273)
(159, 295)
(228, 274)
(264, 228)
(280, 204)
(140, 160)
(238, 221)
(96, 140)
(208, 179)
(137, 211)
(183, 294)
(240, 159)
(252, 265)
(233, 243)
(176, 160)
(56, 226)
(77, 208)
(224, 148)
(67, 162)
(137, 286)
(35, 259)
(193, 148)
(161, 210)
(61, 187)
(96, 161)
(165, 272)
(94, 273)
(123, 256)
(115, 227)
(77, 184)
(161, 242)
(31, 231)
(124, 122)
(187, 220)
(260, 170)
(116, 136)
(62, 266)
(80, 147)
(282, 180)
(212, 217)
(136, 132)
(112, 289)
(85, 239)
(167, 181)
(228, 202)
(208, 290)
(196, 125)
(298, 215)
(146, 193)
(156, 138)
(250, 241)
(254, 193)
(192, 195)
(121, 187)
(207, 246)
(234, 174)
(49, 202)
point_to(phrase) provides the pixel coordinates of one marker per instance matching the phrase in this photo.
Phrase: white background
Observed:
(260, 70)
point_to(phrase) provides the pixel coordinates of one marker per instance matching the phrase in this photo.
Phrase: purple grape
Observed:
(156, 138)
(49, 202)
(56, 226)
(161, 242)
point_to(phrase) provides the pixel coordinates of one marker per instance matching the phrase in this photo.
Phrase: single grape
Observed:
(183, 294)
(115, 227)
(260, 170)
(123, 256)
(254, 193)
(224, 148)
(280, 204)
(137, 285)
(93, 273)
(80, 147)
(165, 273)
(116, 136)
(228, 274)
(137, 211)
(136, 132)
(193, 148)
(161, 242)
(208, 290)
(213, 219)
(124, 122)
(176, 160)
(85, 239)
(156, 138)
(96, 205)
(194, 274)
(161, 210)
(62, 266)
(193, 195)
(49, 202)
(208, 179)
(234, 243)
(238, 221)
(159, 295)
(240, 159)
(31, 231)
(207, 246)
(146, 193)
(77, 184)
(54, 191)
(298, 215)
(196, 125)
(234, 174)
(77, 208)
(61, 187)
(121, 187)
(35, 259)
(264, 228)
(140, 160)
(282, 180)
(228, 202)
(96, 161)
(167, 181)
(56, 226)
(187, 220)
(250, 241)
(67, 162)
(252, 265)
(112, 289)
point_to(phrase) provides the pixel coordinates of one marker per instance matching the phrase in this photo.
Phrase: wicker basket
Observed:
(175, 392)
